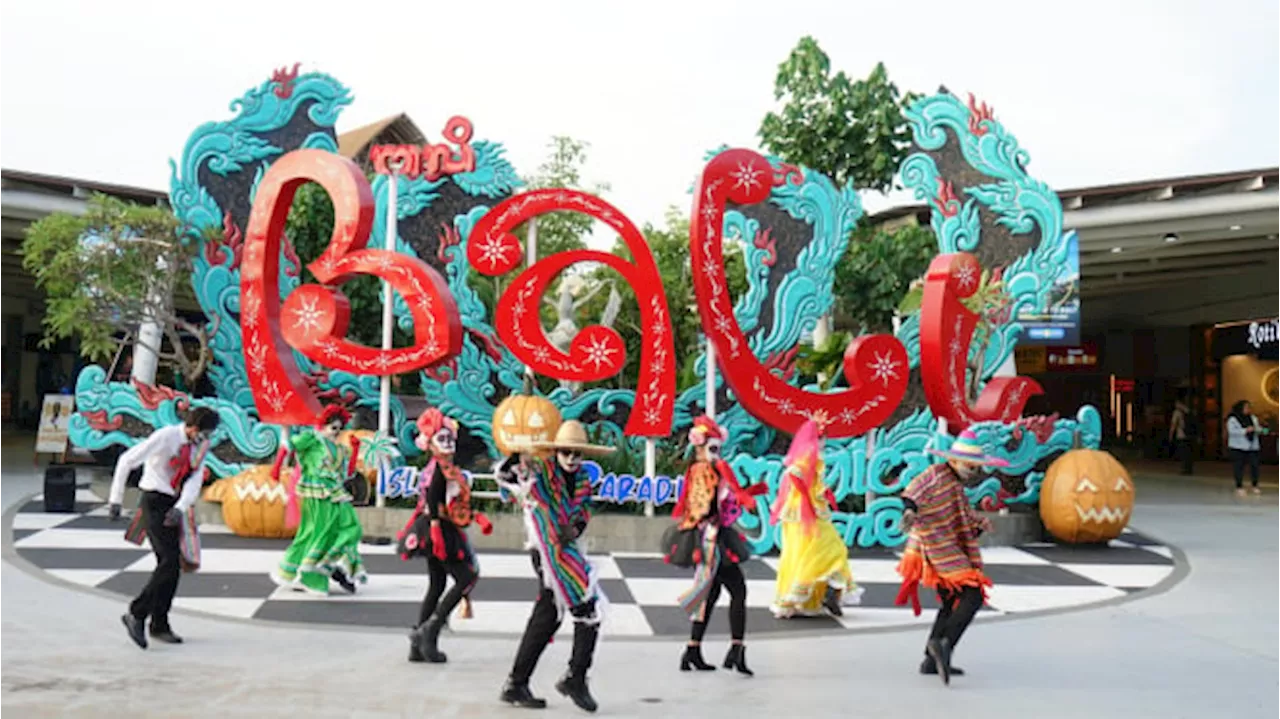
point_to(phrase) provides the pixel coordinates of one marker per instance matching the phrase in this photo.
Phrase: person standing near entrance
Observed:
(1243, 433)
(173, 470)
(1181, 434)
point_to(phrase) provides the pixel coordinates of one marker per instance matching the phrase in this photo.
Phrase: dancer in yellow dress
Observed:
(813, 571)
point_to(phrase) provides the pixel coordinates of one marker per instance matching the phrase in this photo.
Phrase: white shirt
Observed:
(157, 476)
(1238, 439)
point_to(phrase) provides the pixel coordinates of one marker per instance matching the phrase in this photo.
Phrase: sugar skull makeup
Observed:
(331, 430)
(569, 459)
(444, 441)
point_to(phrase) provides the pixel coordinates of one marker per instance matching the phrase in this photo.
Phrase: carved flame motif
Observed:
(597, 352)
(979, 114)
(875, 365)
(946, 331)
(284, 79)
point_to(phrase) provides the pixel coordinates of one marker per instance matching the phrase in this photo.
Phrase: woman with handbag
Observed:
(326, 545)
(1244, 443)
(437, 531)
(704, 537)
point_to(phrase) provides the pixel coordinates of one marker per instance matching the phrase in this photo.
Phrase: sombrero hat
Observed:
(965, 448)
(572, 435)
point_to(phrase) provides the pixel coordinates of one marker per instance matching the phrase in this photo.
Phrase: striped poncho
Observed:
(942, 547)
(559, 500)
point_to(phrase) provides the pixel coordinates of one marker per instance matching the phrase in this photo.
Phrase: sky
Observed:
(1097, 92)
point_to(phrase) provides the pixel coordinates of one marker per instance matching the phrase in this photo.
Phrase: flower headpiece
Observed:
(332, 413)
(705, 428)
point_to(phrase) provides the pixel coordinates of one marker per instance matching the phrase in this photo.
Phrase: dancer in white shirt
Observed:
(171, 477)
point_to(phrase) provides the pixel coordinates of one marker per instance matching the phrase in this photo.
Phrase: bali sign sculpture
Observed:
(280, 347)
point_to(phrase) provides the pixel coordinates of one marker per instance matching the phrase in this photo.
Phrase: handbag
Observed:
(189, 542)
(136, 532)
(414, 540)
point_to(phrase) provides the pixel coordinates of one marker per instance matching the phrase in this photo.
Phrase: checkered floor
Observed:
(86, 548)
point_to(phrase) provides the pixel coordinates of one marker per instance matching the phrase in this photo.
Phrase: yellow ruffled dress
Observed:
(813, 558)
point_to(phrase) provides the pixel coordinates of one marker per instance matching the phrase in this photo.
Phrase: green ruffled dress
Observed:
(329, 531)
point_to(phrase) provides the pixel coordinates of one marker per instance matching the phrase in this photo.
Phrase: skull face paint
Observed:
(444, 441)
(710, 451)
(330, 431)
(570, 460)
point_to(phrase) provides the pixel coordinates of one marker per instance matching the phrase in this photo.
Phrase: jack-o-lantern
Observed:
(253, 504)
(1086, 497)
(522, 419)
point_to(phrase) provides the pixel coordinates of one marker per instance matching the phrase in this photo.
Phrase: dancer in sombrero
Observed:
(327, 543)
(704, 537)
(555, 492)
(813, 569)
(942, 548)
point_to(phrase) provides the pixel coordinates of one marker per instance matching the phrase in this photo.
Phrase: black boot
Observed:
(940, 651)
(518, 694)
(574, 686)
(415, 653)
(692, 659)
(737, 659)
(164, 634)
(574, 682)
(427, 637)
(930, 667)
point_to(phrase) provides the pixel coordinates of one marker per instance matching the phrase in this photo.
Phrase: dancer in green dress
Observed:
(328, 538)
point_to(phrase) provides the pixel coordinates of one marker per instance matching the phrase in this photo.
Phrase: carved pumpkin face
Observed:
(521, 419)
(1087, 496)
(253, 504)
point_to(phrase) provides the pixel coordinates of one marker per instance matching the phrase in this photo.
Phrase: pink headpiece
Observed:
(705, 428)
(429, 422)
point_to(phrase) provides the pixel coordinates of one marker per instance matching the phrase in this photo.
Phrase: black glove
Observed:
(579, 527)
(113, 512)
(506, 469)
(173, 517)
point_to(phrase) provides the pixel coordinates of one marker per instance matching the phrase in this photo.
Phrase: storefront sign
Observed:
(1032, 359)
(1247, 338)
(1073, 359)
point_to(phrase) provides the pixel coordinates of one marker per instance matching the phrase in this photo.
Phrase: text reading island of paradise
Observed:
(616, 488)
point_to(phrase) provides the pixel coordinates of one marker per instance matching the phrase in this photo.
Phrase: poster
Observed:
(1059, 322)
(55, 418)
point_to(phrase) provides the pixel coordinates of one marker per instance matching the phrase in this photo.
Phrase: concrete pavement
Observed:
(1208, 647)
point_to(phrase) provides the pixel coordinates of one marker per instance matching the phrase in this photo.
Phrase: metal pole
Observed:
(711, 378)
(388, 319)
(650, 470)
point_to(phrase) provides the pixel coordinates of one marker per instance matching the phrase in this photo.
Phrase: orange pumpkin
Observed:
(253, 503)
(522, 419)
(1086, 497)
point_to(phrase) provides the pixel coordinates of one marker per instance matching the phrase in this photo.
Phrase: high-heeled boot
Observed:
(574, 683)
(427, 638)
(737, 659)
(692, 659)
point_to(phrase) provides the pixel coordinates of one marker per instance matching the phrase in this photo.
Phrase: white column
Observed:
(388, 320)
(530, 258)
(150, 334)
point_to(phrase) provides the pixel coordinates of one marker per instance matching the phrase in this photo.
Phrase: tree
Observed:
(847, 130)
(876, 272)
(670, 248)
(560, 231)
(109, 271)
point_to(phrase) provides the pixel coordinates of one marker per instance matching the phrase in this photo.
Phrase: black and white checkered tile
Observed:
(85, 548)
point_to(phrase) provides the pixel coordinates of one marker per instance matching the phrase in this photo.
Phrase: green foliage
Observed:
(99, 274)
(877, 271)
(670, 248)
(561, 231)
(310, 226)
(848, 130)
(825, 361)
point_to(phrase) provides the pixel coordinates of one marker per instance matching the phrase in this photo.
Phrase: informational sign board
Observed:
(1059, 322)
(55, 418)
(1073, 359)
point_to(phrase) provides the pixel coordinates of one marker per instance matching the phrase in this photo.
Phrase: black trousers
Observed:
(1182, 451)
(542, 626)
(957, 610)
(729, 576)
(1241, 458)
(157, 597)
(439, 572)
